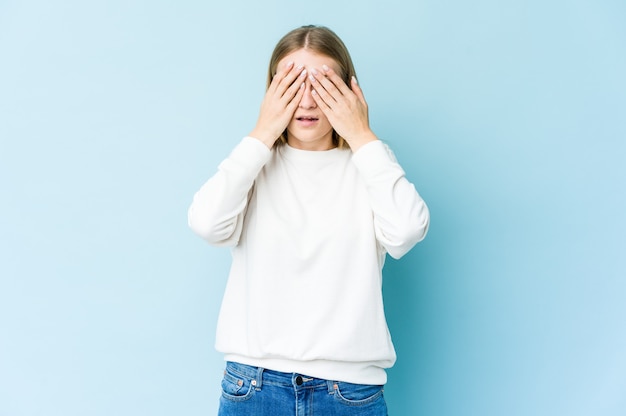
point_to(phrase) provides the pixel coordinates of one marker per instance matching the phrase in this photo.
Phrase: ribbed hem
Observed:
(349, 372)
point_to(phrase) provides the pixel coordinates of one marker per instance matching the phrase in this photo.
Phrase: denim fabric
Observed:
(252, 391)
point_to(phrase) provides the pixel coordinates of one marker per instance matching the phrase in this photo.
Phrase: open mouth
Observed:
(307, 118)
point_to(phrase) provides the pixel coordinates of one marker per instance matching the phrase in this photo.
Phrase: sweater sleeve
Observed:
(401, 217)
(218, 208)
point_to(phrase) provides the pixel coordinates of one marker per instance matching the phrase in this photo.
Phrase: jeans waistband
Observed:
(264, 376)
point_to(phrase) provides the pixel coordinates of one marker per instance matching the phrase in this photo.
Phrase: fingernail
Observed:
(288, 64)
(300, 67)
(303, 74)
(325, 68)
(314, 71)
(354, 79)
(313, 92)
(312, 78)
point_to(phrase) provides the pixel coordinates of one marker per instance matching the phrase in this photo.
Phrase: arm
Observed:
(401, 218)
(218, 208)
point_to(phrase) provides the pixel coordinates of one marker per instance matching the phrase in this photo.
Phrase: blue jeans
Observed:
(253, 391)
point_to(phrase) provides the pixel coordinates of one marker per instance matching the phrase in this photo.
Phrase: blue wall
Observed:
(508, 116)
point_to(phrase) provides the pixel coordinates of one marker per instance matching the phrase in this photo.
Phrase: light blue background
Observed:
(509, 116)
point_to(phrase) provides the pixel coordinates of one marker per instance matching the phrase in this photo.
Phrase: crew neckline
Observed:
(310, 155)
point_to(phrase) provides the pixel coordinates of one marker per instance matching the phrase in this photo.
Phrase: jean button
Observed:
(299, 380)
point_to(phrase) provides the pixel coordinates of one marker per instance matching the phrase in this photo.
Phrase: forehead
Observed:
(309, 60)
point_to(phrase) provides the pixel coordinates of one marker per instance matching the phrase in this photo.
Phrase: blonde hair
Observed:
(320, 40)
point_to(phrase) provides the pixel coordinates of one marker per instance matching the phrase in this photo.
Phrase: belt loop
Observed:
(259, 378)
(331, 386)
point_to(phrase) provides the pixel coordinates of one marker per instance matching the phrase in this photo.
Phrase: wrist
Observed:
(359, 140)
(265, 137)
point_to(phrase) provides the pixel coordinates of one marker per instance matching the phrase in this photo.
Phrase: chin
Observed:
(310, 136)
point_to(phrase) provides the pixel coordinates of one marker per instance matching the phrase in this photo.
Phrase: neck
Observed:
(316, 145)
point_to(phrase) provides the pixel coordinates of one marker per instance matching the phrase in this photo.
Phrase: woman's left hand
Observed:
(345, 108)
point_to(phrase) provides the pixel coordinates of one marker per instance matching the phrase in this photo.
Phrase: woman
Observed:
(310, 202)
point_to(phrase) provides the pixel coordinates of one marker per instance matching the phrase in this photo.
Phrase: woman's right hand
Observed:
(280, 103)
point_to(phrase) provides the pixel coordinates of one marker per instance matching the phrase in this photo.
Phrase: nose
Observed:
(307, 102)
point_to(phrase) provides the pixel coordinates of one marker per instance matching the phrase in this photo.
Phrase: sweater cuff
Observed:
(251, 152)
(374, 157)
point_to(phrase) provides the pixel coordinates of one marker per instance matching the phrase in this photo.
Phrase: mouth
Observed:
(307, 118)
(307, 121)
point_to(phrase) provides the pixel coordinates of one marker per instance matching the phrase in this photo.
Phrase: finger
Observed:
(292, 91)
(324, 88)
(337, 81)
(356, 88)
(285, 77)
(282, 71)
(297, 97)
(321, 104)
(290, 79)
(293, 88)
(279, 75)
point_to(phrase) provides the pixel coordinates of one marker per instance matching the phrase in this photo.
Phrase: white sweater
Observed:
(309, 231)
